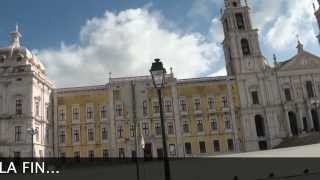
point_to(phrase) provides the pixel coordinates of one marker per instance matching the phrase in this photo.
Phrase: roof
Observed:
(82, 88)
(205, 79)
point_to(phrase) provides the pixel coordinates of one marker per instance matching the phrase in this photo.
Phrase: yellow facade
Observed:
(133, 114)
(216, 89)
(81, 98)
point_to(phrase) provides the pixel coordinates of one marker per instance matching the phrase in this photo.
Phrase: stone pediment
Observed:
(302, 61)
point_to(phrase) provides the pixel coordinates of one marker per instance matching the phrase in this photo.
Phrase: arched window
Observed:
(2, 58)
(245, 47)
(259, 126)
(240, 21)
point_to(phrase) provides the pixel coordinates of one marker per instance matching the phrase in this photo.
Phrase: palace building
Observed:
(255, 107)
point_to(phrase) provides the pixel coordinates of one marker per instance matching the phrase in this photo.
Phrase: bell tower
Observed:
(241, 43)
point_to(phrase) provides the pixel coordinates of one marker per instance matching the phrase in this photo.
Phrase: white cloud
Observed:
(126, 44)
(220, 72)
(265, 12)
(296, 18)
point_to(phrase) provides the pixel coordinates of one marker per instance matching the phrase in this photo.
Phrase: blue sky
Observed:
(108, 35)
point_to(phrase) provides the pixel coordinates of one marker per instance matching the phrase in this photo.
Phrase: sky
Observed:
(81, 41)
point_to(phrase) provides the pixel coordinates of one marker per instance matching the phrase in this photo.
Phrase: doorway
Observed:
(293, 123)
(315, 119)
(148, 151)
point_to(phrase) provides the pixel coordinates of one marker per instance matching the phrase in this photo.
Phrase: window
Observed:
(216, 146)
(214, 124)
(235, 4)
(227, 122)
(91, 154)
(16, 154)
(197, 104)
(255, 97)
(187, 148)
(121, 153)
(62, 136)
(120, 131)
(104, 133)
(172, 149)
(199, 126)
(62, 114)
(156, 107)
(287, 94)
(245, 47)
(75, 113)
(37, 107)
(183, 105)
(19, 106)
(211, 103)
(89, 112)
(37, 134)
(260, 128)
(105, 153)
(2, 58)
(158, 129)
(202, 146)
(230, 145)
(145, 107)
(225, 102)
(76, 135)
(62, 154)
(145, 128)
(17, 132)
(168, 106)
(240, 22)
(103, 112)
(132, 130)
(90, 134)
(186, 127)
(19, 58)
(119, 110)
(170, 128)
(309, 88)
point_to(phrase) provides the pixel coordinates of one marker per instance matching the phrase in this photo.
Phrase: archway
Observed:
(260, 128)
(315, 119)
(293, 123)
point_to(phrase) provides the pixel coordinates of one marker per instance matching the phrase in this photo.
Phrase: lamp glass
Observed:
(158, 78)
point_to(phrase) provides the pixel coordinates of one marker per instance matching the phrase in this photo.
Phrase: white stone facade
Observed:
(25, 102)
(277, 101)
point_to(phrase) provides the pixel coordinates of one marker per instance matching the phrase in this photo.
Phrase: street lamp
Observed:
(158, 73)
(32, 132)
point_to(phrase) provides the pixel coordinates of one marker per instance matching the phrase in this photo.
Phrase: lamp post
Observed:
(158, 73)
(32, 132)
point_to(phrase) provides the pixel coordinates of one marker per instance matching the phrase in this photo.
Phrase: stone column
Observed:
(113, 149)
(300, 119)
(309, 119)
(178, 132)
(233, 116)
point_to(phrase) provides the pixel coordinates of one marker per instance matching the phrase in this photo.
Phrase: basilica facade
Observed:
(255, 107)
